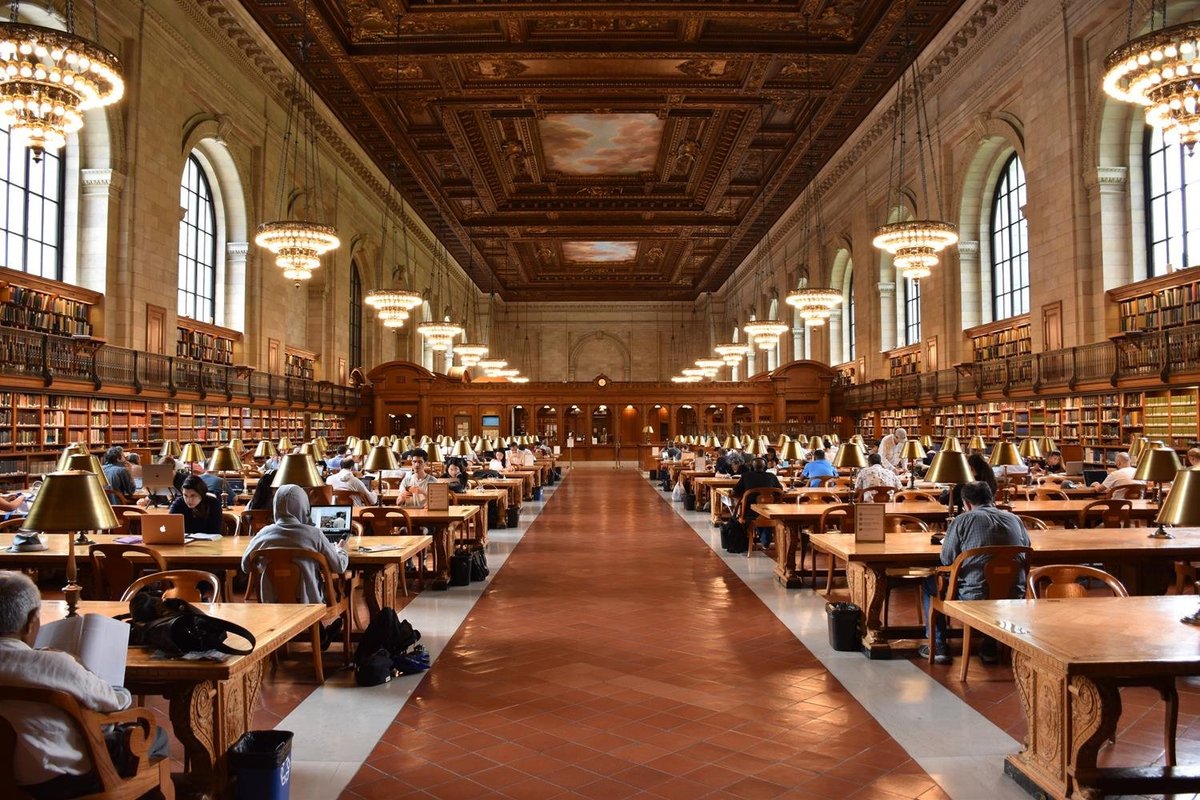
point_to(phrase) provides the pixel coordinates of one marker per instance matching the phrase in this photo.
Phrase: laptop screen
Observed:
(1091, 476)
(236, 485)
(331, 519)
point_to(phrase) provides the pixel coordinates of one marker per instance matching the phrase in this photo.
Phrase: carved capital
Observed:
(237, 251)
(1112, 180)
(968, 251)
(101, 182)
(887, 289)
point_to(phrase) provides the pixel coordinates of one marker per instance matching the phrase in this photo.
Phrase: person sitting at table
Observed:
(121, 489)
(345, 479)
(1193, 457)
(671, 452)
(50, 758)
(1052, 466)
(456, 475)
(1121, 476)
(201, 510)
(981, 470)
(755, 476)
(818, 468)
(876, 474)
(495, 460)
(981, 525)
(264, 492)
(133, 463)
(293, 529)
(414, 487)
(334, 462)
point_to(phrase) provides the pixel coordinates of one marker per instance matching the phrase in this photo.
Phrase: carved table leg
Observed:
(1095, 706)
(868, 588)
(441, 556)
(785, 555)
(193, 718)
(380, 586)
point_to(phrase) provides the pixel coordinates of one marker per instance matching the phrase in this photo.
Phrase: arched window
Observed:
(1173, 204)
(849, 317)
(912, 311)
(31, 202)
(1010, 243)
(356, 316)
(197, 245)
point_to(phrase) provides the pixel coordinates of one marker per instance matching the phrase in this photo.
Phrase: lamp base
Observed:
(82, 538)
(1193, 619)
(71, 594)
(1161, 533)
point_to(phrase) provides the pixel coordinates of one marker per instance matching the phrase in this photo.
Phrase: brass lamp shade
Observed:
(1047, 445)
(170, 448)
(977, 443)
(224, 459)
(265, 449)
(912, 450)
(285, 444)
(745, 439)
(70, 501)
(791, 451)
(193, 453)
(360, 449)
(352, 440)
(755, 448)
(86, 462)
(850, 456)
(731, 442)
(380, 458)
(1029, 448)
(324, 442)
(782, 441)
(238, 446)
(949, 466)
(1005, 454)
(297, 468)
(318, 452)
(68, 451)
(461, 448)
(858, 440)
(815, 443)
(374, 440)
(1159, 464)
(836, 439)
(434, 454)
(1182, 506)
(927, 441)
(952, 445)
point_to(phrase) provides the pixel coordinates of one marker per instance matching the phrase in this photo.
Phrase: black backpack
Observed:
(387, 637)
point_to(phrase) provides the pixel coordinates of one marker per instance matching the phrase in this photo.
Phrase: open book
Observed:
(100, 643)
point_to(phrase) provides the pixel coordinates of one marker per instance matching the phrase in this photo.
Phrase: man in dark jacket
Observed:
(754, 475)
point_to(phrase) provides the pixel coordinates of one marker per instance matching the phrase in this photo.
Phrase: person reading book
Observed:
(50, 760)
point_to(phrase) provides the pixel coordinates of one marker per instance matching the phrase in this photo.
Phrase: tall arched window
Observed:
(197, 245)
(1010, 243)
(31, 218)
(849, 317)
(1173, 205)
(912, 311)
(356, 316)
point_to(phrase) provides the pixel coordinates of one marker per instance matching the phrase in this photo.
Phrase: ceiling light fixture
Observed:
(393, 305)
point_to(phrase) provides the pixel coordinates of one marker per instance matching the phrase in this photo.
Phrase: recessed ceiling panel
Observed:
(599, 251)
(601, 144)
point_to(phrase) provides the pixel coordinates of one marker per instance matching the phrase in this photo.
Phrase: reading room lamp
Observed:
(952, 445)
(782, 440)
(950, 466)
(815, 443)
(170, 448)
(192, 454)
(1158, 464)
(265, 449)
(71, 502)
(755, 448)
(927, 441)
(858, 440)
(238, 446)
(1005, 454)
(434, 454)
(285, 444)
(379, 459)
(74, 449)
(850, 456)
(1047, 445)
(977, 443)
(1029, 448)
(1136, 448)
(912, 451)
(361, 449)
(86, 462)
(1183, 508)
(224, 459)
(462, 448)
(298, 469)
(791, 452)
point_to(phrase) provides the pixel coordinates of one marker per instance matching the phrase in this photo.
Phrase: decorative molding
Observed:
(968, 250)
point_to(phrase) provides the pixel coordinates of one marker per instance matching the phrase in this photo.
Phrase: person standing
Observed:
(891, 447)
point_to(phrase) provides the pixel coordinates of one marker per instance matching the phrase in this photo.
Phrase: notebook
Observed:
(162, 529)
(334, 521)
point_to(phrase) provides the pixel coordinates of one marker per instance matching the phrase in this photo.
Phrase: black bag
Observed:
(734, 538)
(513, 518)
(689, 501)
(177, 627)
(479, 567)
(493, 512)
(537, 494)
(386, 638)
(460, 568)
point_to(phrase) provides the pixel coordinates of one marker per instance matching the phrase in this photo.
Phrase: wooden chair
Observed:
(913, 576)
(1046, 493)
(1109, 513)
(255, 519)
(1004, 564)
(823, 480)
(818, 497)
(835, 519)
(128, 517)
(11, 525)
(1129, 491)
(138, 734)
(231, 524)
(913, 496)
(183, 583)
(762, 495)
(113, 570)
(843, 482)
(386, 486)
(344, 497)
(1050, 481)
(319, 495)
(1033, 523)
(874, 494)
(1061, 581)
(385, 521)
(280, 567)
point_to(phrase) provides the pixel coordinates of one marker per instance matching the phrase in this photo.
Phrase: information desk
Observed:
(211, 702)
(1127, 551)
(1068, 658)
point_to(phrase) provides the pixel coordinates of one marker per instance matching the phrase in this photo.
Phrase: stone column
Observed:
(838, 353)
(235, 285)
(887, 315)
(973, 286)
(98, 266)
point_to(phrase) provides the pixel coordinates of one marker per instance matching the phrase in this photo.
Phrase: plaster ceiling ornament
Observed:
(403, 71)
(368, 22)
(496, 69)
(702, 68)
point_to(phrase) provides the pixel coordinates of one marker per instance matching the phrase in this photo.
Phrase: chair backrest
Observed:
(1049, 493)
(114, 571)
(344, 497)
(1109, 513)
(1032, 523)
(1062, 580)
(182, 582)
(385, 520)
(11, 525)
(129, 518)
(837, 519)
(1003, 569)
(255, 519)
(843, 482)
(762, 494)
(319, 495)
(385, 486)
(823, 480)
(231, 523)
(913, 496)
(875, 494)
(1129, 491)
(1051, 481)
(280, 567)
(903, 523)
(819, 497)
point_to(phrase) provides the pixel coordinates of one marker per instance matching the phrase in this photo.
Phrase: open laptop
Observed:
(334, 521)
(162, 529)
(236, 485)
(1091, 476)
(158, 476)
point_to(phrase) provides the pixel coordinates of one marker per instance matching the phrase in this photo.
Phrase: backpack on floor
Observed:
(734, 538)
(386, 638)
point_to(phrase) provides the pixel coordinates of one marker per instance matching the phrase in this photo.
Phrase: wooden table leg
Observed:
(788, 536)
(441, 556)
(868, 588)
(380, 586)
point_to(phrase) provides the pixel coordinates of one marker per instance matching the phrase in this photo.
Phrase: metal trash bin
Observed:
(843, 626)
(261, 764)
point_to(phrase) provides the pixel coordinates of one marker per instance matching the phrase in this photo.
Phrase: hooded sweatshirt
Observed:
(292, 529)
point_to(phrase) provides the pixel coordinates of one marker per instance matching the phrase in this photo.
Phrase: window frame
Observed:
(27, 195)
(191, 260)
(356, 317)
(1172, 155)
(1009, 238)
(912, 311)
(850, 322)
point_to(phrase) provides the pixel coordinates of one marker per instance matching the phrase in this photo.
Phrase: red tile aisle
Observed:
(615, 655)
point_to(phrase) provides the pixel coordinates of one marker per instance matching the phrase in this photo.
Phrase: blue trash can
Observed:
(261, 763)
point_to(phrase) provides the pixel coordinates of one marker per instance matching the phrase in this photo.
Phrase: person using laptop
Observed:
(201, 510)
(1119, 478)
(346, 480)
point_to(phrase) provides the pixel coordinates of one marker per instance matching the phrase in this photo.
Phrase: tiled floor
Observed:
(616, 656)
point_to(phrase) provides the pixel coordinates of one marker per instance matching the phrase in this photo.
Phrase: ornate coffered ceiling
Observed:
(601, 151)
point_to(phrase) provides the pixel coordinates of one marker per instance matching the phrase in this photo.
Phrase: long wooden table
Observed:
(1130, 550)
(1068, 656)
(211, 702)
(380, 558)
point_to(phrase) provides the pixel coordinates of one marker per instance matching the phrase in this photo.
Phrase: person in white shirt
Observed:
(345, 479)
(50, 758)
(413, 489)
(496, 461)
(1119, 477)
(874, 475)
(890, 448)
(518, 456)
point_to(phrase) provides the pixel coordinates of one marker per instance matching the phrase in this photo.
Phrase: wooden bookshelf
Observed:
(38, 304)
(1171, 415)
(1166, 301)
(904, 360)
(299, 363)
(847, 374)
(1005, 338)
(200, 341)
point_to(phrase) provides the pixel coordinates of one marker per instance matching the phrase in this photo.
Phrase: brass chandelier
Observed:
(393, 305)
(48, 78)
